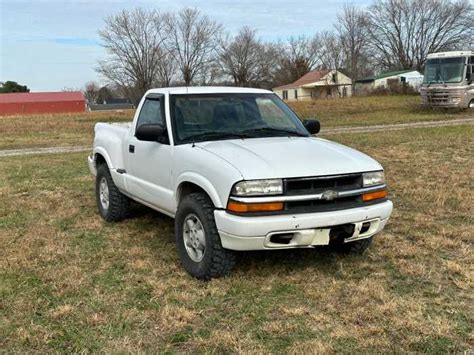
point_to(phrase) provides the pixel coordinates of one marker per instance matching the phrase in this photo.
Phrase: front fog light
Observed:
(373, 178)
(258, 187)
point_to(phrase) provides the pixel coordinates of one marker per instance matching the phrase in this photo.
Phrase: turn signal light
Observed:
(254, 207)
(374, 195)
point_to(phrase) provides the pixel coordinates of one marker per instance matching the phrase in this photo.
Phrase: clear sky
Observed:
(51, 44)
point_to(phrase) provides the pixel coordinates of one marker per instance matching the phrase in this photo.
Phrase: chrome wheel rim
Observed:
(104, 193)
(194, 238)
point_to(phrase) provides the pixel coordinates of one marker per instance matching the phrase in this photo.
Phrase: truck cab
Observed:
(448, 80)
(237, 170)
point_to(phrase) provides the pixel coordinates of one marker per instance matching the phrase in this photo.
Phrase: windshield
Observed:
(444, 70)
(205, 117)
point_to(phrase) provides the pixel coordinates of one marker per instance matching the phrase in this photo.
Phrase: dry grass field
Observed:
(372, 110)
(55, 129)
(71, 283)
(78, 129)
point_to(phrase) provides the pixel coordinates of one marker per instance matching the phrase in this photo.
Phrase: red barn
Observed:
(41, 102)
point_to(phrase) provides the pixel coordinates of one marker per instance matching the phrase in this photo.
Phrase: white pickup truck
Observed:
(238, 170)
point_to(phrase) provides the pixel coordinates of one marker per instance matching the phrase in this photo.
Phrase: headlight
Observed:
(373, 178)
(456, 100)
(258, 187)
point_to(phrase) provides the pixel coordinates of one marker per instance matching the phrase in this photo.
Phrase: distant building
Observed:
(112, 104)
(410, 77)
(316, 84)
(41, 102)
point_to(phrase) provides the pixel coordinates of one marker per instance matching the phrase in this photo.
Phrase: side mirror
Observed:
(313, 126)
(150, 132)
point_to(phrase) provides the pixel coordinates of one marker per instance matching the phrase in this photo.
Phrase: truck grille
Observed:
(436, 98)
(317, 194)
(316, 185)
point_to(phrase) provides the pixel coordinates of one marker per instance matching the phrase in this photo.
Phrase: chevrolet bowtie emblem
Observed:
(329, 195)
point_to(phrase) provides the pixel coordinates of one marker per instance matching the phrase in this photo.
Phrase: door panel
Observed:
(149, 173)
(148, 164)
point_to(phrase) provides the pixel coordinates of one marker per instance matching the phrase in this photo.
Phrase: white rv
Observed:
(448, 80)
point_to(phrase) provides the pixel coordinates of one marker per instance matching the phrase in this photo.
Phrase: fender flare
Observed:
(101, 151)
(203, 183)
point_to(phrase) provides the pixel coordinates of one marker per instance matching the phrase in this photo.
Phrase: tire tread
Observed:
(119, 204)
(222, 260)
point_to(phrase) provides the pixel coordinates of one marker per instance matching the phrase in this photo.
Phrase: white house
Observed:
(316, 84)
(410, 77)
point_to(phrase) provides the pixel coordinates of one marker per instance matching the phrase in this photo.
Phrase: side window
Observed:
(151, 112)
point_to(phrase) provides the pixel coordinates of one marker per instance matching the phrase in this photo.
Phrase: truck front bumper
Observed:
(298, 230)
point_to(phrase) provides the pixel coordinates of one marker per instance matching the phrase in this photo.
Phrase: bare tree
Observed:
(403, 32)
(133, 41)
(91, 92)
(166, 70)
(193, 42)
(332, 53)
(298, 56)
(246, 59)
(352, 29)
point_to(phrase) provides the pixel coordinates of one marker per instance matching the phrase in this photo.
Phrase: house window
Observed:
(285, 95)
(296, 94)
(334, 77)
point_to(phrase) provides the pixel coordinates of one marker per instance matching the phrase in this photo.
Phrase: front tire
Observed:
(197, 239)
(112, 204)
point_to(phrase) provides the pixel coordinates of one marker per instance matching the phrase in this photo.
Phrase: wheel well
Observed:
(99, 160)
(186, 188)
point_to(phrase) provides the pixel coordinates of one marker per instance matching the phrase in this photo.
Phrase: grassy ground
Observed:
(366, 111)
(70, 282)
(77, 129)
(54, 130)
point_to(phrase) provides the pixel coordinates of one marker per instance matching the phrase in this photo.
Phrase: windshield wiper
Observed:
(216, 136)
(287, 132)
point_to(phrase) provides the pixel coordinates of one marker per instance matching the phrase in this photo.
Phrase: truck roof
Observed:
(207, 90)
(450, 54)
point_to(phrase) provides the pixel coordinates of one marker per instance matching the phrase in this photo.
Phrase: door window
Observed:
(151, 112)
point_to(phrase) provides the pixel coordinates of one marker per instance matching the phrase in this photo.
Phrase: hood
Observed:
(285, 157)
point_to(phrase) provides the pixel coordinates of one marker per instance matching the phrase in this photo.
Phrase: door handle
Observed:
(131, 148)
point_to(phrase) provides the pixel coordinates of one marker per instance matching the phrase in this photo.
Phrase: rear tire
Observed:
(357, 247)
(112, 204)
(197, 240)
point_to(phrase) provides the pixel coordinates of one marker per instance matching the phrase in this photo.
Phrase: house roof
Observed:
(24, 97)
(385, 75)
(311, 77)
